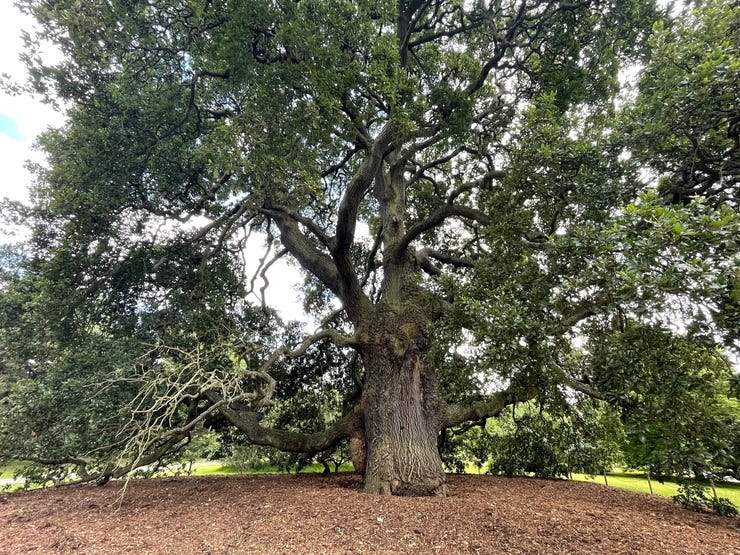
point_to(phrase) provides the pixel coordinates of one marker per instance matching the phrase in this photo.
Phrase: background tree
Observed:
(556, 439)
(454, 180)
(674, 403)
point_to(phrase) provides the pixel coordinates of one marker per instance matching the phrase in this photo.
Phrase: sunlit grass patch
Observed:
(638, 482)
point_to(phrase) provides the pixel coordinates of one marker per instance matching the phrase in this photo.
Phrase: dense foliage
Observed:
(485, 213)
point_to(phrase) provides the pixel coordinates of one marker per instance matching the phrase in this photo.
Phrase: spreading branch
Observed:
(492, 406)
(304, 251)
(435, 219)
(248, 422)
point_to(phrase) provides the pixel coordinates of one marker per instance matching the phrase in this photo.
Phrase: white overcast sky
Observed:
(22, 117)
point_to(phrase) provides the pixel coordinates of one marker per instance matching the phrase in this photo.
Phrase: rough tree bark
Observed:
(401, 410)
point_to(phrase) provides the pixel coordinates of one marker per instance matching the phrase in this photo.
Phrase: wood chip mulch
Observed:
(314, 514)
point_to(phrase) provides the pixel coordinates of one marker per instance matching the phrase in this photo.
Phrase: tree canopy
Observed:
(483, 209)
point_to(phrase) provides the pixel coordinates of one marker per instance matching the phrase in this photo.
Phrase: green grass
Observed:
(635, 481)
(212, 468)
(7, 470)
(219, 468)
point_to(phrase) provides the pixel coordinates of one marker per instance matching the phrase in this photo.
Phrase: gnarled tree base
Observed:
(419, 488)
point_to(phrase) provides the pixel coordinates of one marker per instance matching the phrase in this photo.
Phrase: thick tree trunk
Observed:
(401, 414)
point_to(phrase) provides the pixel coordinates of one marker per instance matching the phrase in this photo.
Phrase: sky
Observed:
(22, 117)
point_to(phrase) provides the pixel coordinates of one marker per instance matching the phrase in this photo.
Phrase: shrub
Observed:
(724, 507)
(693, 496)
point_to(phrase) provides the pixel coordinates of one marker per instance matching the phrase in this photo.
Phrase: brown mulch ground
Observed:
(314, 514)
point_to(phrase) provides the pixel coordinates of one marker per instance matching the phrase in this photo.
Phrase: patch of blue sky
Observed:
(9, 127)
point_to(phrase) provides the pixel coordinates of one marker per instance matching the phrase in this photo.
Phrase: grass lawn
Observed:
(634, 481)
(638, 482)
(8, 469)
(218, 468)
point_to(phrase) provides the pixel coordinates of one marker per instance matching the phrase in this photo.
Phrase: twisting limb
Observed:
(166, 387)
(348, 210)
(265, 280)
(248, 422)
(419, 173)
(260, 263)
(483, 182)
(336, 337)
(225, 233)
(308, 223)
(450, 210)
(155, 423)
(342, 163)
(227, 220)
(435, 219)
(305, 252)
(370, 261)
(423, 260)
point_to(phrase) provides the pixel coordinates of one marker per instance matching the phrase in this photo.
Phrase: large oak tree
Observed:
(476, 204)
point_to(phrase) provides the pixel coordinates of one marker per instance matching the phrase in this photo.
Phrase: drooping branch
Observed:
(236, 411)
(154, 455)
(263, 265)
(333, 335)
(225, 233)
(577, 385)
(151, 435)
(492, 406)
(263, 275)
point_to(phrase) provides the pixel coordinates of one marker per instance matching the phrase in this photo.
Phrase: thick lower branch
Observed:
(248, 422)
(454, 415)
(424, 255)
(486, 408)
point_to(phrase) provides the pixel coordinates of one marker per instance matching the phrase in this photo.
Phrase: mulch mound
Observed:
(315, 514)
